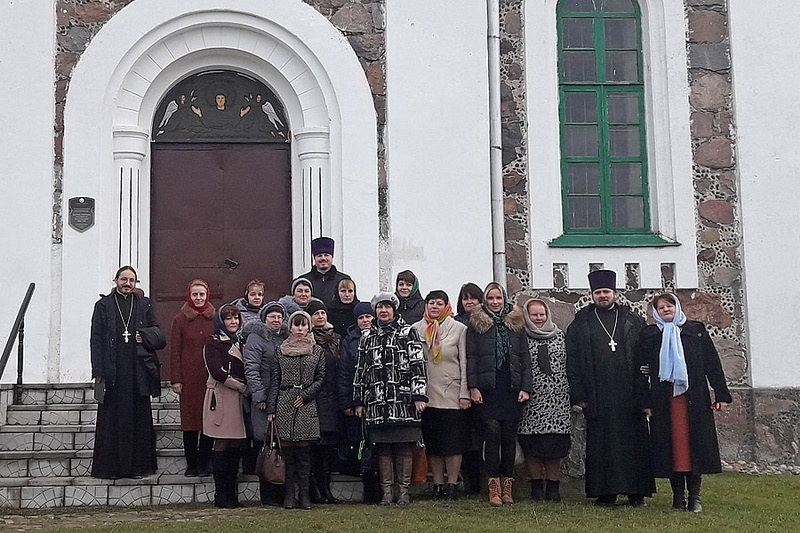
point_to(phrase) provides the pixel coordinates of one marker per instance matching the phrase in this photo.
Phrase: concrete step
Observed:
(72, 463)
(75, 414)
(73, 437)
(73, 393)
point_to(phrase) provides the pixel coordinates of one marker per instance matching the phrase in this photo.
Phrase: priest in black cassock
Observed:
(125, 369)
(605, 382)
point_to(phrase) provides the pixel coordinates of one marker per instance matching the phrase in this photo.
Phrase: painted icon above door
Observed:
(220, 106)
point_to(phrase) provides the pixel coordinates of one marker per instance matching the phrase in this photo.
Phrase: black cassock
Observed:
(124, 442)
(617, 440)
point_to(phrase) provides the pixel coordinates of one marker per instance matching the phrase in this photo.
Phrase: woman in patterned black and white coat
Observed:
(544, 430)
(389, 393)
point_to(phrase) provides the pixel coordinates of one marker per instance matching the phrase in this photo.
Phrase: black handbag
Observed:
(366, 452)
(270, 466)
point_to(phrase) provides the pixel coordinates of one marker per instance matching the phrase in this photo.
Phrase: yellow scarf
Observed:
(433, 332)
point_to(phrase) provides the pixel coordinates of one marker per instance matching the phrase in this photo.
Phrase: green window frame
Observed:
(603, 131)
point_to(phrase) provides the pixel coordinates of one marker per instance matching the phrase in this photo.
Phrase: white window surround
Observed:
(128, 68)
(669, 151)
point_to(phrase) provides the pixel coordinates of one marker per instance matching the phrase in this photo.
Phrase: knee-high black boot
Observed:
(694, 481)
(303, 465)
(324, 481)
(233, 476)
(221, 465)
(678, 483)
(190, 452)
(289, 456)
(204, 447)
(317, 468)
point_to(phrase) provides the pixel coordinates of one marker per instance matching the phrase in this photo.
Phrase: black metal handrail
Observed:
(17, 331)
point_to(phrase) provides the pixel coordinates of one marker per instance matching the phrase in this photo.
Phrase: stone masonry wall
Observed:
(361, 21)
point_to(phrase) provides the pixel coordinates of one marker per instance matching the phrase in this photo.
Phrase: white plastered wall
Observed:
(669, 151)
(764, 44)
(26, 159)
(438, 143)
(129, 66)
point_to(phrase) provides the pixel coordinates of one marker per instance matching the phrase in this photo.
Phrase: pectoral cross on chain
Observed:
(127, 336)
(610, 343)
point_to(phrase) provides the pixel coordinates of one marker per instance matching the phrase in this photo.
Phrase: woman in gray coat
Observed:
(263, 338)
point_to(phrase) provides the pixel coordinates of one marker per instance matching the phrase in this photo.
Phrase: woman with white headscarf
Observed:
(682, 362)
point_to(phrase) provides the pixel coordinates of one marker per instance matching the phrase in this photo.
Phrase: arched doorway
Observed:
(113, 99)
(220, 191)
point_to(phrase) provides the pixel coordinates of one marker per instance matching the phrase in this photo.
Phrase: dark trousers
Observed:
(500, 449)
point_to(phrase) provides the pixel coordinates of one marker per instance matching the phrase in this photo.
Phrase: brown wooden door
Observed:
(221, 213)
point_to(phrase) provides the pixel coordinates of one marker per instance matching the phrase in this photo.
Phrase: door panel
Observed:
(221, 213)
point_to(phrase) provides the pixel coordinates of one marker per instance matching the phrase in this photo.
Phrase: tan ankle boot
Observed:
(386, 476)
(508, 486)
(494, 492)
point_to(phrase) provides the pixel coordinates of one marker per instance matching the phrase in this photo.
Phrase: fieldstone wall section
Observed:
(363, 22)
(514, 138)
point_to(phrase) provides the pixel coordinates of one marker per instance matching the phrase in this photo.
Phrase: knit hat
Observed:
(322, 245)
(603, 279)
(362, 308)
(315, 305)
(302, 281)
(271, 306)
(385, 297)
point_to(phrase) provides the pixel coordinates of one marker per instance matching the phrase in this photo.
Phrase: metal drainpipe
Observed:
(496, 143)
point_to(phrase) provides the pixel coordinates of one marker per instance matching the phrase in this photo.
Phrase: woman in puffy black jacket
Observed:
(500, 381)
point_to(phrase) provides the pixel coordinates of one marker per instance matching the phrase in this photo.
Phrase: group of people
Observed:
(322, 368)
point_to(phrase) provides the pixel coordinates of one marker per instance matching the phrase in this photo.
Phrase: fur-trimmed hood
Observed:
(481, 322)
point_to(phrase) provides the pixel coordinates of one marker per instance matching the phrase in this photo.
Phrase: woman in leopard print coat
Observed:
(544, 430)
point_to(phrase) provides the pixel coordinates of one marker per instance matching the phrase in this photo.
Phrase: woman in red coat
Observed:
(190, 329)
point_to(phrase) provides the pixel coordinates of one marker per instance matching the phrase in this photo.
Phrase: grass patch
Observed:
(732, 502)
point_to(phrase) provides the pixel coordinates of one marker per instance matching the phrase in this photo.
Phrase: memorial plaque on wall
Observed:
(81, 212)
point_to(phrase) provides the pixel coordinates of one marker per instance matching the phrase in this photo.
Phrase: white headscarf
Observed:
(671, 360)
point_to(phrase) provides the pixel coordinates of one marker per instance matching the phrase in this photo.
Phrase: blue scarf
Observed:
(671, 360)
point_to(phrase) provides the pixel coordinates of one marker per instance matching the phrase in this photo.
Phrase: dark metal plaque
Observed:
(81, 213)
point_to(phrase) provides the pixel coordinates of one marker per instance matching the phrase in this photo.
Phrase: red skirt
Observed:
(679, 419)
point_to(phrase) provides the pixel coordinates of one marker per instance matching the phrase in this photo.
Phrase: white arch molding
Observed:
(128, 68)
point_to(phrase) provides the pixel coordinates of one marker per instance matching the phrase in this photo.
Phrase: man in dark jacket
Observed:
(323, 275)
(123, 343)
(604, 382)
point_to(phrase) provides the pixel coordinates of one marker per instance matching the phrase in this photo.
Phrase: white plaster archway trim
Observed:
(131, 64)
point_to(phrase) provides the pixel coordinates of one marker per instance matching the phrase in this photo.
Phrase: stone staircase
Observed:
(46, 447)
(46, 454)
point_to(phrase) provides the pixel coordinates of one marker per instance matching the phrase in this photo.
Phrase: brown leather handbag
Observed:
(269, 465)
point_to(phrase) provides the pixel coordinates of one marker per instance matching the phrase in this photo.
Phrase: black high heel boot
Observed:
(694, 482)
(289, 486)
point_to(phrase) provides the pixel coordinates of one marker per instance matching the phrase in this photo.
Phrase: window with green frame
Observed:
(602, 119)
